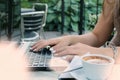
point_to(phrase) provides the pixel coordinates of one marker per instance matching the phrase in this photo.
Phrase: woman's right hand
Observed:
(54, 42)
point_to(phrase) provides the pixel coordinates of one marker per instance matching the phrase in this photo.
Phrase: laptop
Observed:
(37, 61)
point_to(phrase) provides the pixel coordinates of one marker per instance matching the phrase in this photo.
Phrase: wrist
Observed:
(104, 51)
(68, 39)
(114, 49)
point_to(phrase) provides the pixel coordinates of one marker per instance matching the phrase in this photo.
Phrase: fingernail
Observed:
(34, 49)
(48, 47)
(52, 50)
(30, 48)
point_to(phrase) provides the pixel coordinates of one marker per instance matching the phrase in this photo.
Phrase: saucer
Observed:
(76, 73)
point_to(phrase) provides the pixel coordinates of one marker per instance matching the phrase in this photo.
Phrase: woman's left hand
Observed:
(77, 49)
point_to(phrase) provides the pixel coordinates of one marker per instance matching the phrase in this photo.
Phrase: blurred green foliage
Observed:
(92, 13)
(72, 8)
(16, 12)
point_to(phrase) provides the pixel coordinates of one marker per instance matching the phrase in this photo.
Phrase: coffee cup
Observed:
(96, 66)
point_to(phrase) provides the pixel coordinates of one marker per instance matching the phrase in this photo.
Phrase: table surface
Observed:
(58, 65)
(52, 75)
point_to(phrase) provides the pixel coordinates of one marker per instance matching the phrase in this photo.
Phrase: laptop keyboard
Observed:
(37, 60)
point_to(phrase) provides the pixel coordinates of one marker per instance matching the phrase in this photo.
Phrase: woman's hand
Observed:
(77, 49)
(56, 43)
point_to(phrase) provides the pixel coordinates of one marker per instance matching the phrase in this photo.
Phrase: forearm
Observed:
(98, 36)
(89, 39)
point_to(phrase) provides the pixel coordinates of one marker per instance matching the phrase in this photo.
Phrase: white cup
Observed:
(96, 66)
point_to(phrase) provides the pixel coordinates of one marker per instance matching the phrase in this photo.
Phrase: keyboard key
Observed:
(41, 64)
(35, 63)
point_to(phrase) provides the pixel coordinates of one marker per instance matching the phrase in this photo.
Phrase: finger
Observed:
(69, 58)
(60, 49)
(39, 45)
(60, 46)
(44, 43)
(67, 51)
(52, 50)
